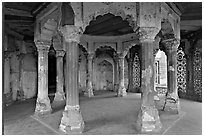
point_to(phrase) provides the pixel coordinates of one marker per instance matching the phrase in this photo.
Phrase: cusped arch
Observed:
(93, 9)
(99, 46)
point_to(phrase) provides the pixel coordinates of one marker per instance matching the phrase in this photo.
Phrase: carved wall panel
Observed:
(181, 71)
(136, 71)
(197, 70)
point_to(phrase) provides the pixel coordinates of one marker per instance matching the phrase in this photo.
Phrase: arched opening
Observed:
(161, 72)
(108, 25)
(104, 69)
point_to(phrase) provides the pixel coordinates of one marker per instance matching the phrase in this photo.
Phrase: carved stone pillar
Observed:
(130, 74)
(171, 46)
(148, 117)
(89, 91)
(43, 102)
(60, 95)
(72, 120)
(122, 90)
(116, 74)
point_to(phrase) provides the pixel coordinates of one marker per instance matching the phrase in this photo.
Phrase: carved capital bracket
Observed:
(60, 53)
(171, 45)
(147, 33)
(71, 33)
(43, 45)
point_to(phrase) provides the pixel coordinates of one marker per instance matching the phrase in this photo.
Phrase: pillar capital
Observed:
(121, 56)
(170, 45)
(60, 53)
(43, 45)
(71, 33)
(147, 34)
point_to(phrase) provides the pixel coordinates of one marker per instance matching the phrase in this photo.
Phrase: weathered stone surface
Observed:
(122, 89)
(172, 99)
(43, 102)
(172, 103)
(72, 120)
(43, 107)
(29, 84)
(59, 96)
(148, 120)
(89, 91)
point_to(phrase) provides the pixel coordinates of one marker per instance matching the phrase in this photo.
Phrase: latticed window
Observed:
(181, 71)
(136, 71)
(197, 63)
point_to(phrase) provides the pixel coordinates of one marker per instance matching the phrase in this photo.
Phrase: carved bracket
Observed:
(71, 33)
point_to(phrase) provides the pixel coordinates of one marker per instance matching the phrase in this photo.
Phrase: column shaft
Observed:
(72, 121)
(172, 92)
(60, 95)
(89, 91)
(148, 117)
(43, 102)
(122, 90)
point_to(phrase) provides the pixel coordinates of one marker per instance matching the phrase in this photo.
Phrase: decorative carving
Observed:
(197, 70)
(42, 106)
(71, 33)
(148, 120)
(147, 33)
(136, 72)
(126, 12)
(43, 45)
(146, 75)
(72, 120)
(60, 53)
(171, 45)
(181, 71)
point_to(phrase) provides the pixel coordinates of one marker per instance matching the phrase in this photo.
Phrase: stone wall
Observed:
(20, 69)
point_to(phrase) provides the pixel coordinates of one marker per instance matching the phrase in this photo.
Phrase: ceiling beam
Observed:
(39, 8)
(12, 17)
(16, 12)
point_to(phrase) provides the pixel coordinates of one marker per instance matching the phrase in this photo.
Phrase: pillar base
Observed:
(59, 96)
(43, 107)
(172, 103)
(89, 92)
(148, 120)
(122, 92)
(72, 121)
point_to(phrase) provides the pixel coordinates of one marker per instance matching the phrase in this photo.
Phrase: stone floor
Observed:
(103, 114)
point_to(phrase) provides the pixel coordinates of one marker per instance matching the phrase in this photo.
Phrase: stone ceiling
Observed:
(20, 17)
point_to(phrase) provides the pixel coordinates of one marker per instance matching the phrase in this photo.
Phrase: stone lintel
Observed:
(72, 121)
